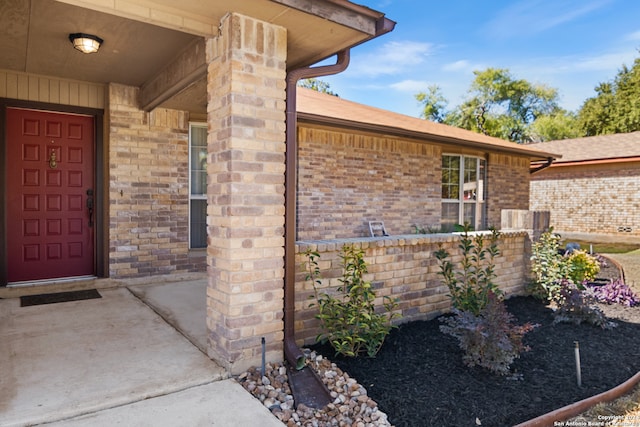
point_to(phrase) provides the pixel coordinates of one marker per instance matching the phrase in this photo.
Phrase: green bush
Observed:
(548, 266)
(560, 278)
(469, 287)
(582, 266)
(349, 320)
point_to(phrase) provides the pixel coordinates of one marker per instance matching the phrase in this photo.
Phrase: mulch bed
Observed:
(418, 378)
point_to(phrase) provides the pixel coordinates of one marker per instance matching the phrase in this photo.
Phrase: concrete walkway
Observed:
(113, 361)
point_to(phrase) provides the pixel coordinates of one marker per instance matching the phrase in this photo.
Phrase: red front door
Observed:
(50, 182)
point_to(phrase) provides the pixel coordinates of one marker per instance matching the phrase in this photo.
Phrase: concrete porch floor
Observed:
(133, 358)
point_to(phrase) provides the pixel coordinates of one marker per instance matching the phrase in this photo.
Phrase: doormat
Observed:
(41, 299)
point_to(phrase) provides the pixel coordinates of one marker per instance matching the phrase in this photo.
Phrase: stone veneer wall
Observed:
(508, 185)
(347, 179)
(403, 267)
(148, 189)
(600, 199)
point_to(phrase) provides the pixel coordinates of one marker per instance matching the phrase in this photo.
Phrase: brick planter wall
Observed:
(405, 268)
(601, 199)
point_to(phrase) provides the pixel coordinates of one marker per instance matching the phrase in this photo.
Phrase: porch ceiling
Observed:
(141, 37)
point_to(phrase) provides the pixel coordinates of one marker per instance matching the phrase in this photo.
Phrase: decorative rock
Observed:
(351, 406)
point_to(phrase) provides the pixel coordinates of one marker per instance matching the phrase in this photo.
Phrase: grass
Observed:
(606, 248)
(627, 406)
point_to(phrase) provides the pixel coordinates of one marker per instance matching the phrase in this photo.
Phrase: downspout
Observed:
(292, 352)
(542, 167)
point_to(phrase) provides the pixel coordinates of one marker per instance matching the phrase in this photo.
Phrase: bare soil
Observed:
(418, 378)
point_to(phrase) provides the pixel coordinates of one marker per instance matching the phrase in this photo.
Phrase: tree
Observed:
(433, 104)
(501, 106)
(616, 106)
(504, 107)
(317, 85)
(561, 124)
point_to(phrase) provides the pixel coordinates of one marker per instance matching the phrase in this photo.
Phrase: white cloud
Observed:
(535, 16)
(633, 36)
(412, 86)
(462, 65)
(609, 62)
(392, 58)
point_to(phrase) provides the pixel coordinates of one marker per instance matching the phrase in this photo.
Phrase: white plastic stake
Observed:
(578, 370)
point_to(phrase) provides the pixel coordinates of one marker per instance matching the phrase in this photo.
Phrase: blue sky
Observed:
(571, 45)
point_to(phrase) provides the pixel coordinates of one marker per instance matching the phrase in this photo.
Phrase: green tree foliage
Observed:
(559, 125)
(317, 85)
(433, 104)
(502, 106)
(505, 107)
(616, 106)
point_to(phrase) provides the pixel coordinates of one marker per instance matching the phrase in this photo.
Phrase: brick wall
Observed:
(403, 267)
(246, 164)
(148, 189)
(346, 180)
(508, 185)
(601, 199)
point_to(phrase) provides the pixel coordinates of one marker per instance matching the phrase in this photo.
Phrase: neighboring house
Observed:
(594, 188)
(172, 150)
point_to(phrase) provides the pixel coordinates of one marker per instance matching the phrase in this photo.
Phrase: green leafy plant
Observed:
(469, 287)
(548, 266)
(560, 279)
(349, 320)
(582, 266)
(489, 339)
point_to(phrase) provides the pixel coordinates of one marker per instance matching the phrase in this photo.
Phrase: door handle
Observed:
(90, 206)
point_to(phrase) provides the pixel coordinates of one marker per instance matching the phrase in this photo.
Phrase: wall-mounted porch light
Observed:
(85, 43)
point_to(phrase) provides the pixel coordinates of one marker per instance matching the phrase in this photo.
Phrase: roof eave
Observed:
(597, 161)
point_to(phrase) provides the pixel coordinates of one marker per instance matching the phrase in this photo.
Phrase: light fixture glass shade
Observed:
(85, 43)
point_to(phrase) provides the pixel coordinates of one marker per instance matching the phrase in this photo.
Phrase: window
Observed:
(463, 191)
(197, 185)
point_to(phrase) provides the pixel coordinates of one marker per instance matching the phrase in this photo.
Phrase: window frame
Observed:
(196, 196)
(479, 200)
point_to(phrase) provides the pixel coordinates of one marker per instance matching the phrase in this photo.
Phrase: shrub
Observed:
(470, 286)
(548, 266)
(616, 292)
(349, 320)
(577, 305)
(489, 339)
(582, 266)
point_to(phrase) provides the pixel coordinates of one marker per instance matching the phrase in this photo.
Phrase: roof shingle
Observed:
(593, 148)
(313, 105)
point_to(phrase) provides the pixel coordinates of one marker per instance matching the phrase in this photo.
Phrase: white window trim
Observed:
(480, 205)
(193, 196)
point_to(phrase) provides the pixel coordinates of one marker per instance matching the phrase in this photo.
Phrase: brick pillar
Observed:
(245, 193)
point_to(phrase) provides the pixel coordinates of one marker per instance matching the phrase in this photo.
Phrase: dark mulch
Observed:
(418, 377)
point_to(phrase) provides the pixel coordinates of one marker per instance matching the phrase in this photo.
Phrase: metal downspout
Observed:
(292, 352)
(542, 167)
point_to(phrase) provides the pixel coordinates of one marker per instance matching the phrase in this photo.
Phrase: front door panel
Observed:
(50, 182)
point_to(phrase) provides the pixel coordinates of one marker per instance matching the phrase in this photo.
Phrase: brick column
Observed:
(245, 193)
